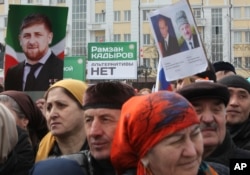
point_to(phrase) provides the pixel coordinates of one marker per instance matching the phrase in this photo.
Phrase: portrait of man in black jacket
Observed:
(168, 44)
(41, 66)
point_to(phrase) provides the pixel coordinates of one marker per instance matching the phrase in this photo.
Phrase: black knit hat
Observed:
(201, 90)
(110, 95)
(235, 81)
(221, 65)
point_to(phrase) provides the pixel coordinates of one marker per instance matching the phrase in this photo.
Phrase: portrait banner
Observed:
(19, 19)
(181, 51)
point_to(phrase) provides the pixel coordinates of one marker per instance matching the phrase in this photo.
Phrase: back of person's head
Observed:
(8, 133)
(144, 91)
(223, 66)
(235, 81)
(208, 73)
(205, 90)
(56, 166)
(107, 95)
(24, 107)
(36, 18)
(223, 69)
(75, 89)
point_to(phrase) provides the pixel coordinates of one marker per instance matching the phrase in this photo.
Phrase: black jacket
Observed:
(172, 48)
(21, 159)
(52, 69)
(241, 134)
(226, 151)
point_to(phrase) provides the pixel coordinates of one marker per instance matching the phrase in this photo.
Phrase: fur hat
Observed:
(107, 95)
(235, 81)
(76, 87)
(181, 18)
(200, 90)
(221, 65)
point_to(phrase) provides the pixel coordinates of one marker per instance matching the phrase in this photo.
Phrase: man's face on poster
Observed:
(163, 28)
(186, 31)
(35, 40)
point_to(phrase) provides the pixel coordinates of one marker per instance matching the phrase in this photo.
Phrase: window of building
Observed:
(145, 15)
(79, 37)
(237, 12)
(117, 37)
(197, 12)
(247, 12)
(60, 1)
(127, 37)
(127, 15)
(52, 2)
(217, 41)
(237, 37)
(247, 62)
(117, 16)
(156, 62)
(146, 62)
(1, 1)
(247, 37)
(146, 39)
(100, 39)
(237, 62)
(100, 17)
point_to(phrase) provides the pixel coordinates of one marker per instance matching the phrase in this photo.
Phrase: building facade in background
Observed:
(224, 28)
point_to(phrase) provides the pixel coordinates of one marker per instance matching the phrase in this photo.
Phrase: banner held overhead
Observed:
(112, 60)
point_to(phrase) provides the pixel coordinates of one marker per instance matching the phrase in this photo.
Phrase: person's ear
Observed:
(50, 37)
(25, 122)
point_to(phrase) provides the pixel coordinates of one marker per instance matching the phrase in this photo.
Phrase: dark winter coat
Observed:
(226, 151)
(21, 159)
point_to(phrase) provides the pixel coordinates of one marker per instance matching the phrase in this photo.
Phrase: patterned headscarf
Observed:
(144, 122)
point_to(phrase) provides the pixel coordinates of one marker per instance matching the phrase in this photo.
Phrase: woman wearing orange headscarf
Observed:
(159, 134)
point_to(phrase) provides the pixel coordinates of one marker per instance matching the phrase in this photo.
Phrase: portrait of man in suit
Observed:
(41, 66)
(167, 43)
(189, 37)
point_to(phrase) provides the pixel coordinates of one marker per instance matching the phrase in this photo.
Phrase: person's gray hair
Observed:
(13, 105)
(8, 130)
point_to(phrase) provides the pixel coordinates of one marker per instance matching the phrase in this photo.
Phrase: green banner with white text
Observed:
(112, 60)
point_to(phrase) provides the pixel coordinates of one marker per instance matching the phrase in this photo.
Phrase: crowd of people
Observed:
(109, 128)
